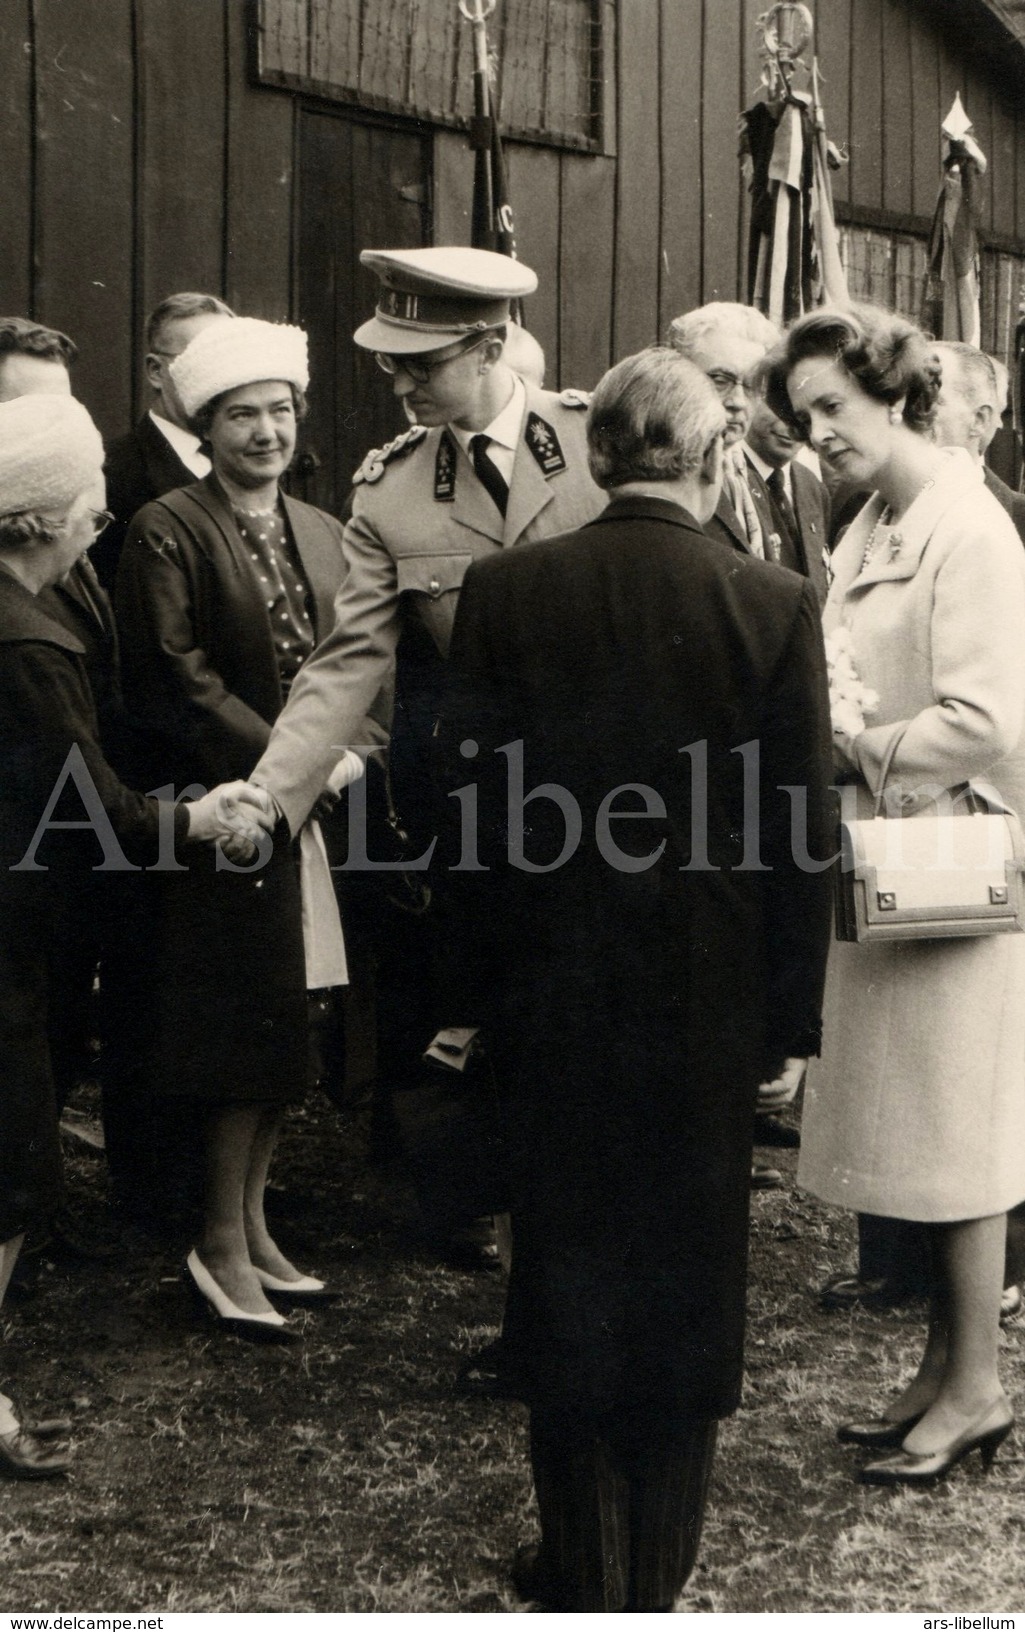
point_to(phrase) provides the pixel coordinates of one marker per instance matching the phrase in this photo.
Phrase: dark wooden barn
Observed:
(252, 147)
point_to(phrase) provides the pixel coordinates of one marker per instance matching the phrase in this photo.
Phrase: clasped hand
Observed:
(235, 816)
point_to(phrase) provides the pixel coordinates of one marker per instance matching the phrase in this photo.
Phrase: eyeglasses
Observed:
(101, 520)
(419, 372)
(725, 382)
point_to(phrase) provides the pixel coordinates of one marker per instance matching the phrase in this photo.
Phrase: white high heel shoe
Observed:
(307, 1289)
(263, 1328)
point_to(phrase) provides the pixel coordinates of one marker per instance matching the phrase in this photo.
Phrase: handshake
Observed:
(239, 817)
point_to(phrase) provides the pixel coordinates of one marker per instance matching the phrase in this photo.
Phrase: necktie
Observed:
(781, 502)
(488, 472)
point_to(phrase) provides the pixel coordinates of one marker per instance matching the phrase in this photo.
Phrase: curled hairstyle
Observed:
(651, 419)
(21, 338)
(25, 529)
(203, 418)
(887, 355)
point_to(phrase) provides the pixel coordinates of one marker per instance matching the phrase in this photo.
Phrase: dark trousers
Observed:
(620, 1520)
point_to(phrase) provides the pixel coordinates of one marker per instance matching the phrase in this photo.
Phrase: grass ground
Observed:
(344, 1474)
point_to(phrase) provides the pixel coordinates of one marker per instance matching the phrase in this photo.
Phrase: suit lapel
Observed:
(728, 518)
(164, 469)
(472, 504)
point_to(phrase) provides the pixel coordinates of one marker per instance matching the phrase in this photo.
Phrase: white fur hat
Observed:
(50, 452)
(238, 351)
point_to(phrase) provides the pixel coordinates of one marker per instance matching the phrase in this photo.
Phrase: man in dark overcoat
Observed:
(160, 452)
(640, 709)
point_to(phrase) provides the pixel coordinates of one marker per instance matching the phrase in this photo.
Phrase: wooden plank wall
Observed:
(138, 159)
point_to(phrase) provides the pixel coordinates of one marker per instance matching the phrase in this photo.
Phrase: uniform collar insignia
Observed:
(544, 445)
(445, 469)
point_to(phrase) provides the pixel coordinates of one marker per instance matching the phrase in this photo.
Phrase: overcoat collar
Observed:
(22, 618)
(902, 557)
(642, 507)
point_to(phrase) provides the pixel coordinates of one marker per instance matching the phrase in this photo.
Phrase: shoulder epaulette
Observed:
(575, 399)
(373, 466)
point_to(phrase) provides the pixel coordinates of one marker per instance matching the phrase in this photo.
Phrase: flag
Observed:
(951, 306)
(793, 249)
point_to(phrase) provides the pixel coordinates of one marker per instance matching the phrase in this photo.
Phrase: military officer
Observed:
(490, 462)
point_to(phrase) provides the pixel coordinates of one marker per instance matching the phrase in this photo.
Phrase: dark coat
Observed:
(140, 466)
(1012, 502)
(811, 503)
(634, 1012)
(811, 507)
(46, 710)
(201, 677)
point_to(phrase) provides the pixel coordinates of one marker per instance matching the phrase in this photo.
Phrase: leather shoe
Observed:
(530, 1578)
(23, 1456)
(770, 1131)
(764, 1177)
(879, 1433)
(854, 1292)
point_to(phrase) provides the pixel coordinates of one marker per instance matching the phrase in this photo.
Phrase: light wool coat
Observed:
(917, 1107)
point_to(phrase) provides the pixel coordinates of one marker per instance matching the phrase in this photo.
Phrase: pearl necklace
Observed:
(884, 530)
(270, 510)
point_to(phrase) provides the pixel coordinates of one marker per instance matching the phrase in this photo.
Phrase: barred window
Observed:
(415, 57)
(889, 268)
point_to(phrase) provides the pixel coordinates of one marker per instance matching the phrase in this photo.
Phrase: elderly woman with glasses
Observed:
(223, 590)
(60, 803)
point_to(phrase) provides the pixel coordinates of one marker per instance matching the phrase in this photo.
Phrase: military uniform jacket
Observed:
(419, 518)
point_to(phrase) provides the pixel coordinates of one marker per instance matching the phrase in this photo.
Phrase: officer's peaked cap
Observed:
(432, 297)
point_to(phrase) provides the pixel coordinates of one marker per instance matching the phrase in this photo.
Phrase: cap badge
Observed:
(544, 445)
(397, 303)
(445, 470)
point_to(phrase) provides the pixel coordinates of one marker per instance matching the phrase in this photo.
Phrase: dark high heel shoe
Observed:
(879, 1433)
(914, 1468)
(266, 1328)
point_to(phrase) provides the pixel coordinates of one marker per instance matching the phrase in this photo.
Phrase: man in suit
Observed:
(968, 411)
(160, 453)
(490, 462)
(728, 341)
(620, 671)
(792, 504)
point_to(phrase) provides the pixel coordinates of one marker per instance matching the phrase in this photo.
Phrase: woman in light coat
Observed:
(918, 1108)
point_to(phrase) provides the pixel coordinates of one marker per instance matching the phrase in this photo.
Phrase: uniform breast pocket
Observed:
(433, 583)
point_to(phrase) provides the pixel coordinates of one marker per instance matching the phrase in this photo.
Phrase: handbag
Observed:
(932, 875)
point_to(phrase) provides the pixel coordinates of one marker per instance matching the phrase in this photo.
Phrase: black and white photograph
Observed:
(512, 784)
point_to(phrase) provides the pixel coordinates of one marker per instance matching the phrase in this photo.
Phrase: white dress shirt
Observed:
(504, 432)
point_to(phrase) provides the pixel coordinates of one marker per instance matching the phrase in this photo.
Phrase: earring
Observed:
(895, 416)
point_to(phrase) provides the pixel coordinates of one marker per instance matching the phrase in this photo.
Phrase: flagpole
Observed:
(477, 13)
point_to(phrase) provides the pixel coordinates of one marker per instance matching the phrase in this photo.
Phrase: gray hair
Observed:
(651, 419)
(178, 307)
(687, 331)
(975, 377)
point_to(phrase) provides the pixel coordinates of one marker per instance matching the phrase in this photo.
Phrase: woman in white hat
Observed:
(223, 590)
(52, 772)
